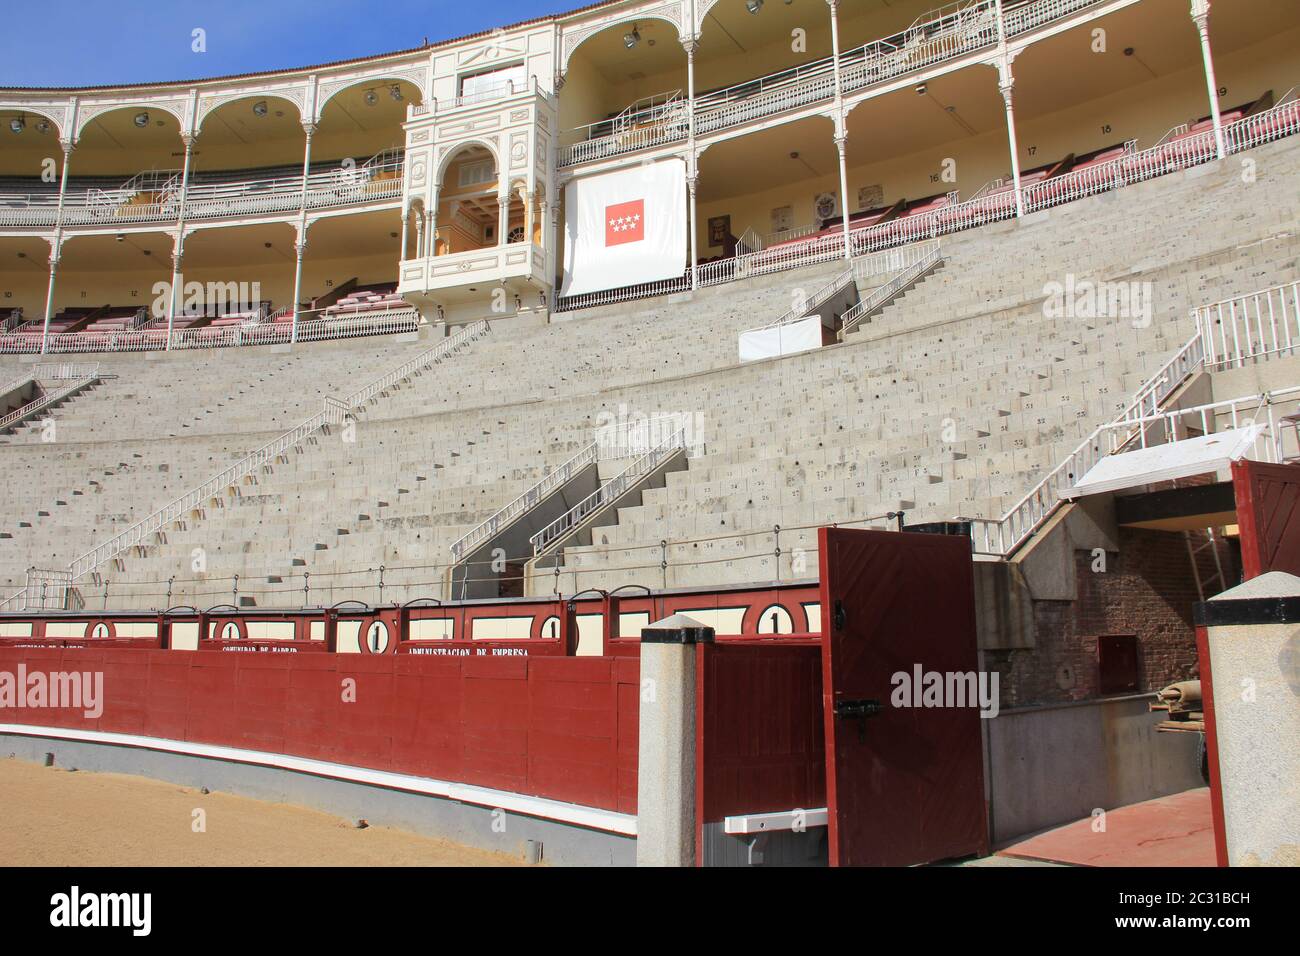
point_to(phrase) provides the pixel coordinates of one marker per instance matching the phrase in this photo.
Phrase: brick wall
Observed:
(1147, 589)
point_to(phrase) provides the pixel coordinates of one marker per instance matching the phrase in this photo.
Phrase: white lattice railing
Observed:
(991, 204)
(333, 413)
(554, 479)
(883, 295)
(265, 332)
(944, 35)
(1249, 327)
(610, 491)
(156, 199)
(1024, 17)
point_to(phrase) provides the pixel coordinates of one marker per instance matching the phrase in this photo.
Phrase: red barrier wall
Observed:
(560, 728)
(759, 729)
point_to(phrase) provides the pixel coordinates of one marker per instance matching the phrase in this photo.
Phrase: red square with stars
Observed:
(625, 222)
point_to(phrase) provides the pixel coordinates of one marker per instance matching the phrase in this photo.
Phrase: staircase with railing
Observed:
(1237, 331)
(878, 298)
(77, 377)
(554, 480)
(581, 516)
(192, 502)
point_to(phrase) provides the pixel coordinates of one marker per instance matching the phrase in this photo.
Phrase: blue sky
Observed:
(98, 42)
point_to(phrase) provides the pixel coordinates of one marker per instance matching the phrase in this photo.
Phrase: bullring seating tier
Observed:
(835, 434)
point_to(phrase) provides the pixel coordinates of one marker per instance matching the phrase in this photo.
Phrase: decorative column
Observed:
(431, 222)
(300, 247)
(68, 146)
(1006, 85)
(841, 148)
(56, 244)
(406, 222)
(420, 250)
(503, 213)
(56, 251)
(178, 280)
(693, 173)
(692, 179)
(1201, 17)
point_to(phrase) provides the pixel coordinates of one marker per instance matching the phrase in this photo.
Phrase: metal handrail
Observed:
(1002, 536)
(609, 491)
(886, 293)
(526, 501)
(818, 298)
(44, 401)
(332, 413)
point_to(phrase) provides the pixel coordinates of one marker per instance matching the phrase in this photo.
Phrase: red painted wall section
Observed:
(560, 728)
(759, 743)
(1268, 515)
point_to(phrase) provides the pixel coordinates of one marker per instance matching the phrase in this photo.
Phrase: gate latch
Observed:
(858, 710)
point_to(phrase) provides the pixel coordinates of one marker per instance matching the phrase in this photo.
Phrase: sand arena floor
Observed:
(59, 817)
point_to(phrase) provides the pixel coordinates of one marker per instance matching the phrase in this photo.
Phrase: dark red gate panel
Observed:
(1268, 516)
(906, 785)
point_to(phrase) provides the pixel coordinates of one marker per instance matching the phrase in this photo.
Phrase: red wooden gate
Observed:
(904, 783)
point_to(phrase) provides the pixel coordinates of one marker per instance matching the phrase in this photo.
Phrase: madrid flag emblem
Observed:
(625, 222)
(625, 228)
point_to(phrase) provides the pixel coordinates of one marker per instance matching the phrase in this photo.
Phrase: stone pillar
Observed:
(406, 224)
(1248, 639)
(1201, 17)
(666, 749)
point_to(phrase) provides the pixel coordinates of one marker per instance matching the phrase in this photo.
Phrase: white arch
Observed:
(40, 111)
(669, 13)
(89, 113)
(325, 95)
(460, 147)
(214, 107)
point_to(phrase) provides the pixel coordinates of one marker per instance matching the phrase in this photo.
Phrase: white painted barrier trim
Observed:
(591, 817)
(772, 822)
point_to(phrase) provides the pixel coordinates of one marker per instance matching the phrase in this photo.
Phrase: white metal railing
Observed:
(1024, 17)
(993, 203)
(590, 300)
(941, 35)
(813, 302)
(264, 332)
(333, 413)
(610, 491)
(46, 590)
(1250, 327)
(555, 478)
(18, 415)
(1217, 343)
(883, 295)
(155, 196)
(1002, 536)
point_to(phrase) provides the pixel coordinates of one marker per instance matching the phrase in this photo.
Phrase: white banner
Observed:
(625, 228)
(757, 344)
